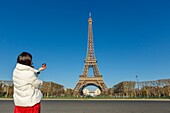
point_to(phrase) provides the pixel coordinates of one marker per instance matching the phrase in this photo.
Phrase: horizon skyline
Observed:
(130, 38)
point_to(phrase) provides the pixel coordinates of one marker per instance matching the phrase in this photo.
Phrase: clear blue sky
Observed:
(131, 37)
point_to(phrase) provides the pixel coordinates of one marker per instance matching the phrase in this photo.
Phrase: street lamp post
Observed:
(137, 83)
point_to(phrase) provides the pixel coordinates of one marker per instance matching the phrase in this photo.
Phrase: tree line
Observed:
(49, 89)
(125, 89)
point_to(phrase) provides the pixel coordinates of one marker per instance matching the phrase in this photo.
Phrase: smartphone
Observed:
(44, 65)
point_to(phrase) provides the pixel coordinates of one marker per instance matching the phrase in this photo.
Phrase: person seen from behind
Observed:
(27, 94)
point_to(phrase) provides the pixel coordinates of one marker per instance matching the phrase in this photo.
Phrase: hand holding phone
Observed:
(44, 65)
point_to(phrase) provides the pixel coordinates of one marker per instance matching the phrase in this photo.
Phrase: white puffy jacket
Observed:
(26, 86)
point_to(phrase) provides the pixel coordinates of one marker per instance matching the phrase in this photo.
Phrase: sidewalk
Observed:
(98, 99)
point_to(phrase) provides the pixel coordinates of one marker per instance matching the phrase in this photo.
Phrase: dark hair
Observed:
(25, 59)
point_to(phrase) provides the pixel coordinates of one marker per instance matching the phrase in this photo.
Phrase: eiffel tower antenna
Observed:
(90, 62)
(89, 14)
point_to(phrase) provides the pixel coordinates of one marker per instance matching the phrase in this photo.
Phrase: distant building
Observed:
(86, 92)
(97, 92)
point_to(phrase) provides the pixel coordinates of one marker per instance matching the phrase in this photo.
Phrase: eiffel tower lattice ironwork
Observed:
(90, 62)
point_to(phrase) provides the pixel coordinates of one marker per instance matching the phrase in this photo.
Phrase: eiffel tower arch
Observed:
(90, 62)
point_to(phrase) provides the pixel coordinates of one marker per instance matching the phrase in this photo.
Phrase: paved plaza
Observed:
(95, 106)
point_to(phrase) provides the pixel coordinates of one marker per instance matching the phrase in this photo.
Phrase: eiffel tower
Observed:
(90, 62)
